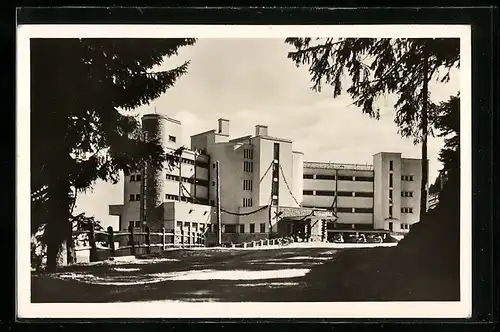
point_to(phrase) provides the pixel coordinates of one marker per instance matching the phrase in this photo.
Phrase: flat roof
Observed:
(324, 165)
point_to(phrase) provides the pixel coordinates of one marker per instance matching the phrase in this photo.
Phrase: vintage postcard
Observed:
(182, 171)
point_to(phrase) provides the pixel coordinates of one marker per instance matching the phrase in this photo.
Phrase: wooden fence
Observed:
(132, 243)
(263, 242)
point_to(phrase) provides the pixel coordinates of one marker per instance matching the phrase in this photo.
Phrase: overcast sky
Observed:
(250, 82)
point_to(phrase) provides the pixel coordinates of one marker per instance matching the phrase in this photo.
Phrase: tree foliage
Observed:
(378, 67)
(383, 66)
(81, 90)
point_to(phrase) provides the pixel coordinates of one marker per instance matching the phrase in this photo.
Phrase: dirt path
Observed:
(281, 275)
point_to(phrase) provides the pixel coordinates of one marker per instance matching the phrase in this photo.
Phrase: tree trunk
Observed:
(425, 164)
(58, 224)
(57, 227)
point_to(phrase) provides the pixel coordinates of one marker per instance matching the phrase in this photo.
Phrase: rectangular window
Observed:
(364, 194)
(276, 151)
(230, 229)
(344, 193)
(344, 178)
(171, 139)
(252, 228)
(390, 211)
(390, 180)
(137, 197)
(391, 165)
(363, 210)
(132, 178)
(248, 154)
(247, 185)
(130, 224)
(390, 193)
(364, 178)
(325, 177)
(138, 177)
(132, 198)
(137, 223)
(411, 177)
(344, 209)
(248, 166)
(247, 202)
(325, 193)
(263, 228)
(242, 229)
(307, 192)
(307, 176)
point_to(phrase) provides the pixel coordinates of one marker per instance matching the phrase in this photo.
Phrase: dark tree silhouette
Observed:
(81, 90)
(378, 67)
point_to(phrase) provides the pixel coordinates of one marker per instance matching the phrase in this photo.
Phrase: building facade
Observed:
(266, 188)
(381, 196)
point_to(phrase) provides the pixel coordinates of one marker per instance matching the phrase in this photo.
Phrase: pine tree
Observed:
(379, 67)
(81, 90)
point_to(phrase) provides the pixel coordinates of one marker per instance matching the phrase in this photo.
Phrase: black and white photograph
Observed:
(244, 171)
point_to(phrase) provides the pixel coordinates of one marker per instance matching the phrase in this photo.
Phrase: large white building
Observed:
(265, 187)
(381, 196)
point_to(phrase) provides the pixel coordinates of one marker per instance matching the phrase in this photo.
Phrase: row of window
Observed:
(135, 197)
(339, 193)
(200, 182)
(248, 153)
(406, 210)
(237, 228)
(407, 194)
(247, 202)
(135, 177)
(248, 185)
(405, 226)
(340, 177)
(248, 166)
(186, 199)
(134, 224)
(406, 177)
(188, 226)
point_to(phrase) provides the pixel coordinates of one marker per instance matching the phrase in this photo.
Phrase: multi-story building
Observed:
(382, 196)
(265, 188)
(175, 197)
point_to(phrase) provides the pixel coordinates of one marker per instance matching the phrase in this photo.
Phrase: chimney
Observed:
(223, 127)
(260, 130)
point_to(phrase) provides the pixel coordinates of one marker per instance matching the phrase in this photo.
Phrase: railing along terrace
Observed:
(324, 165)
(110, 241)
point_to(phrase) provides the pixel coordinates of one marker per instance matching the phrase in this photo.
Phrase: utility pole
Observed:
(219, 226)
(425, 165)
(142, 212)
(180, 177)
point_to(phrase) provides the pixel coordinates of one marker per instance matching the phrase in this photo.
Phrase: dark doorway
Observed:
(390, 226)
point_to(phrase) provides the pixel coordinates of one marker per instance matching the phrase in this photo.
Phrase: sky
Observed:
(251, 82)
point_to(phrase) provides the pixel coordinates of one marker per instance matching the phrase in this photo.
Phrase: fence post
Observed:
(111, 241)
(131, 240)
(163, 238)
(93, 247)
(244, 244)
(148, 240)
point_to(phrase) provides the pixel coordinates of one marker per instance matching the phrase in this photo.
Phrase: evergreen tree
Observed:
(378, 67)
(81, 90)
